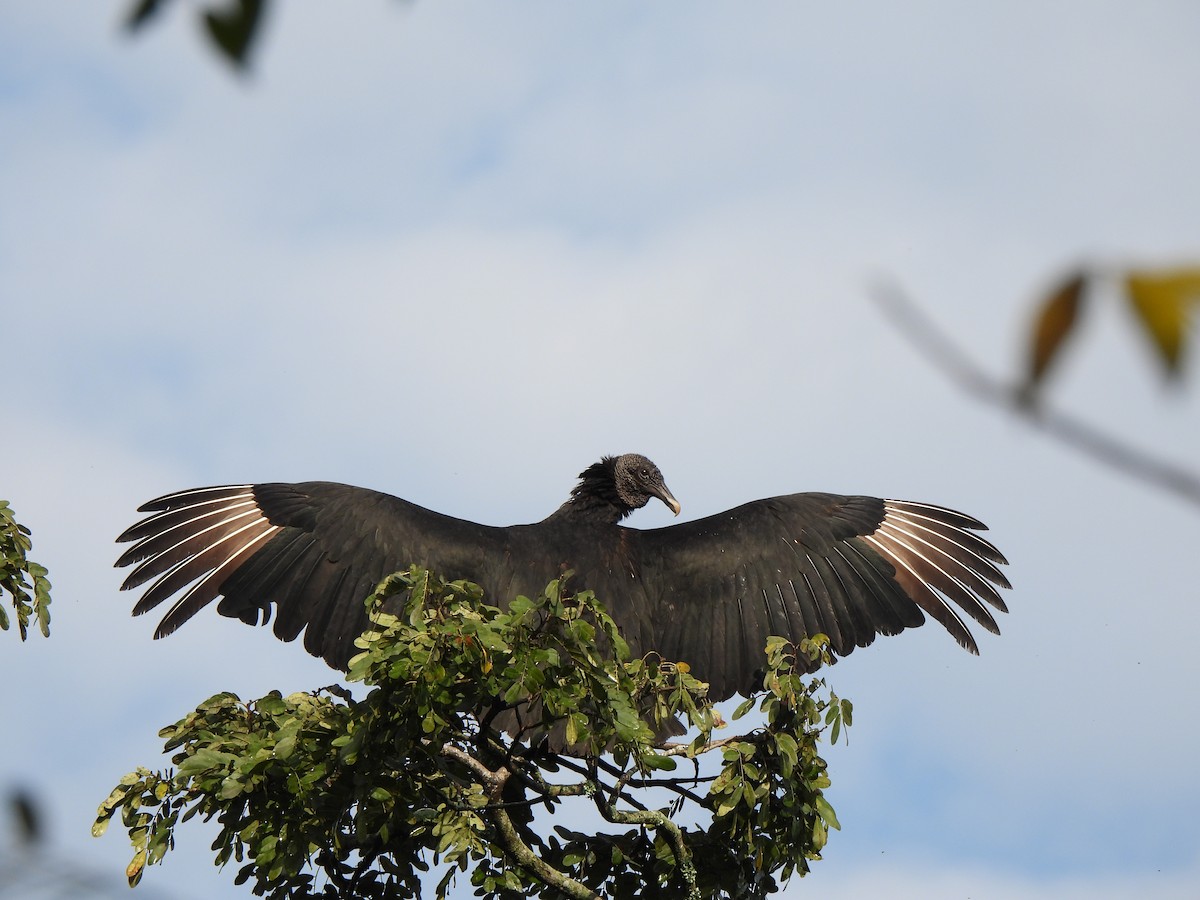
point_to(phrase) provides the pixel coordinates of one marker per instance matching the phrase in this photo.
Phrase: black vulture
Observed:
(708, 592)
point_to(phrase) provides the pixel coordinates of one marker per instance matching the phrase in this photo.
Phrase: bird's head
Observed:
(637, 480)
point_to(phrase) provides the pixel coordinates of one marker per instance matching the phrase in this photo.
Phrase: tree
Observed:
(21, 578)
(322, 794)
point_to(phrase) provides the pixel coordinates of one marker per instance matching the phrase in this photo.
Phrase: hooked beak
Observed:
(666, 497)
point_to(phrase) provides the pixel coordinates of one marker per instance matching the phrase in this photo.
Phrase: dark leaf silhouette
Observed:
(233, 30)
(143, 12)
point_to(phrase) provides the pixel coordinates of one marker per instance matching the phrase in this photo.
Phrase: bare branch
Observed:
(940, 350)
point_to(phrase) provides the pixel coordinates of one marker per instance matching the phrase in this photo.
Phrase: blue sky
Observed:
(458, 250)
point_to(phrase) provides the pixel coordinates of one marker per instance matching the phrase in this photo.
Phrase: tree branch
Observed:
(654, 819)
(943, 353)
(674, 748)
(507, 832)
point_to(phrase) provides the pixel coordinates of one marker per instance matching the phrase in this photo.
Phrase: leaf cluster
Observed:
(231, 27)
(1161, 301)
(21, 578)
(478, 723)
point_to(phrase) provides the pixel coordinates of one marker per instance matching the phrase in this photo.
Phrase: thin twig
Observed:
(940, 350)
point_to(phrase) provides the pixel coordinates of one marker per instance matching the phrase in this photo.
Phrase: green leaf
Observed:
(659, 761)
(231, 787)
(572, 730)
(287, 744)
(827, 814)
(204, 760)
(743, 708)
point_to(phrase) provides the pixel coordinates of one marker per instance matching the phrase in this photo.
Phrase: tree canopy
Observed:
(326, 794)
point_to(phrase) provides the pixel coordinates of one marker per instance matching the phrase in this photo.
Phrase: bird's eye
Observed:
(645, 473)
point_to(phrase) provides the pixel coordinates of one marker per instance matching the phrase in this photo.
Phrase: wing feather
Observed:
(311, 551)
(846, 566)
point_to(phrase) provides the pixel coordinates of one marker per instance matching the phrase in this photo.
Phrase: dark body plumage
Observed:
(708, 592)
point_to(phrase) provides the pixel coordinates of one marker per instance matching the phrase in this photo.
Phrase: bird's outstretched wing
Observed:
(798, 565)
(313, 550)
(708, 592)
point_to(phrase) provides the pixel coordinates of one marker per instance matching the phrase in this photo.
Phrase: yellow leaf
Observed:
(134, 870)
(1055, 319)
(1163, 303)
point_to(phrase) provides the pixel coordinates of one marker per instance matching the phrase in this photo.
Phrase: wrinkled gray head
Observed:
(611, 489)
(637, 479)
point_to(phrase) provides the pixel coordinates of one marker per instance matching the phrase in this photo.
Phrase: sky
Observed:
(458, 250)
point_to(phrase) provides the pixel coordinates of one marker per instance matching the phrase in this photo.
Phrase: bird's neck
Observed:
(595, 500)
(590, 508)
